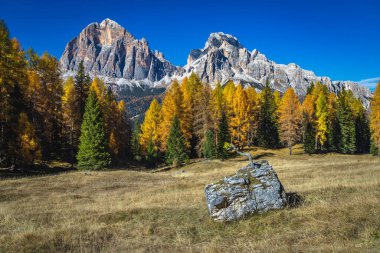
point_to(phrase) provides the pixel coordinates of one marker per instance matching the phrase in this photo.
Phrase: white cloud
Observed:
(370, 82)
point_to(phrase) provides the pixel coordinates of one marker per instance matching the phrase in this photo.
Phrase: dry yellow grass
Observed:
(137, 211)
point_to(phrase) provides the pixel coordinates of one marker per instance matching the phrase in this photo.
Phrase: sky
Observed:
(339, 39)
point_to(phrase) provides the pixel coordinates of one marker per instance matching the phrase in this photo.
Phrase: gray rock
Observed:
(254, 189)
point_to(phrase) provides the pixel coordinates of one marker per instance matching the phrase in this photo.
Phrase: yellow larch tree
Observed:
(29, 146)
(173, 105)
(202, 116)
(290, 119)
(217, 104)
(239, 121)
(228, 91)
(150, 128)
(322, 120)
(71, 118)
(375, 118)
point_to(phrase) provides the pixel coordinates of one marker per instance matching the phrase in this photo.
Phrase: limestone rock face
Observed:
(254, 189)
(133, 70)
(224, 58)
(112, 53)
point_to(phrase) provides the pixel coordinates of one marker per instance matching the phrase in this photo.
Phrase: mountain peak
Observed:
(110, 23)
(218, 38)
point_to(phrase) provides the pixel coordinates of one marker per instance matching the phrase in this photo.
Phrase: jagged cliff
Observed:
(134, 71)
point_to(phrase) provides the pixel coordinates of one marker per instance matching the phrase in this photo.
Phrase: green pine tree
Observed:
(310, 88)
(223, 136)
(309, 137)
(346, 119)
(135, 143)
(209, 147)
(176, 152)
(151, 156)
(363, 133)
(82, 86)
(267, 132)
(93, 153)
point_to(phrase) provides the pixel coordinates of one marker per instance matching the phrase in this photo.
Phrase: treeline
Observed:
(79, 120)
(196, 121)
(43, 118)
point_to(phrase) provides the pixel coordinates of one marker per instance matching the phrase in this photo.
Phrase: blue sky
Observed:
(340, 39)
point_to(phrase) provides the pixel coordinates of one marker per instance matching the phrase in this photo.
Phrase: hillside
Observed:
(139, 211)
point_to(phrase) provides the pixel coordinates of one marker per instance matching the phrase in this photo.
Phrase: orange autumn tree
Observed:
(375, 118)
(290, 119)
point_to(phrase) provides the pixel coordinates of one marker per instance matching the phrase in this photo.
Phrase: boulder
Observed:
(253, 189)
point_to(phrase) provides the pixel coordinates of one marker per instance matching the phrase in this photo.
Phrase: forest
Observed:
(80, 121)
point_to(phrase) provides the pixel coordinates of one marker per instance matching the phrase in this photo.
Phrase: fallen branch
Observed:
(243, 154)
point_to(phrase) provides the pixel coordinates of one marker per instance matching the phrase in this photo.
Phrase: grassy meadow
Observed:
(139, 211)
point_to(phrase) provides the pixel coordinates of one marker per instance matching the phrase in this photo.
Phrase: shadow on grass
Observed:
(293, 199)
(263, 155)
(35, 170)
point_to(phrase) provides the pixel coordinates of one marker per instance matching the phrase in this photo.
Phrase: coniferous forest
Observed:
(80, 121)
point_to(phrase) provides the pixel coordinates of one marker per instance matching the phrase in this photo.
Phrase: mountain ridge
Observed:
(128, 64)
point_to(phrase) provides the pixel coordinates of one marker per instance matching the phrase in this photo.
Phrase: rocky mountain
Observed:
(224, 58)
(137, 74)
(113, 54)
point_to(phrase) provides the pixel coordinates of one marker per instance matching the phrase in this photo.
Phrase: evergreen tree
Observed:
(135, 143)
(93, 153)
(253, 114)
(308, 124)
(176, 152)
(347, 143)
(267, 132)
(333, 124)
(223, 136)
(12, 85)
(309, 137)
(310, 89)
(151, 156)
(363, 133)
(209, 147)
(82, 86)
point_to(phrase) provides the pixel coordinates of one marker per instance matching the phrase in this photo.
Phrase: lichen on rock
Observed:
(253, 189)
